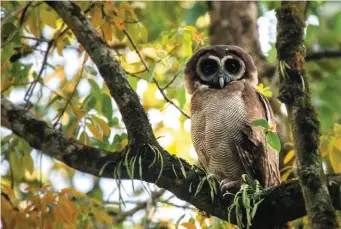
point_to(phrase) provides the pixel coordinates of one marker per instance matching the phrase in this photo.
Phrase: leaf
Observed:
(15, 159)
(107, 109)
(84, 138)
(264, 90)
(60, 46)
(90, 70)
(273, 140)
(260, 122)
(103, 125)
(96, 91)
(189, 225)
(90, 101)
(119, 22)
(335, 154)
(95, 131)
(56, 98)
(107, 31)
(97, 17)
(288, 156)
(28, 162)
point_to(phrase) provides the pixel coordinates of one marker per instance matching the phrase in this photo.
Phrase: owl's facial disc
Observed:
(217, 73)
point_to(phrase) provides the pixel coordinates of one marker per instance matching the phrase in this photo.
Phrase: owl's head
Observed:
(218, 65)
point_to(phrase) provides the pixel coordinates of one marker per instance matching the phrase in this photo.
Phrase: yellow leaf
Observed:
(189, 225)
(48, 16)
(264, 90)
(32, 24)
(94, 130)
(289, 156)
(28, 162)
(78, 112)
(46, 187)
(60, 47)
(104, 126)
(97, 17)
(335, 154)
(285, 175)
(119, 22)
(65, 203)
(107, 31)
(4, 68)
(84, 138)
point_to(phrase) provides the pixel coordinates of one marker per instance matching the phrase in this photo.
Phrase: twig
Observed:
(30, 89)
(170, 82)
(323, 54)
(71, 96)
(154, 198)
(167, 99)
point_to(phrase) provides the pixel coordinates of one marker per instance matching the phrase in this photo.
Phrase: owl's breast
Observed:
(218, 118)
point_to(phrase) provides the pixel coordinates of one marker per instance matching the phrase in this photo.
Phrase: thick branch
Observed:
(294, 92)
(280, 204)
(323, 54)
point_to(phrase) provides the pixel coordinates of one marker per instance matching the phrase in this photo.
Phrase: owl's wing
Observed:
(259, 161)
(248, 152)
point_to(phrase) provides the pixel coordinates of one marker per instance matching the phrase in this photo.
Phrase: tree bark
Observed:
(294, 92)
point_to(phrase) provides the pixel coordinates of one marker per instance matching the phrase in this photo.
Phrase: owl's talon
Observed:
(229, 186)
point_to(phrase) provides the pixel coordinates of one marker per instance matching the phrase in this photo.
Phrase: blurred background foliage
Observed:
(44, 68)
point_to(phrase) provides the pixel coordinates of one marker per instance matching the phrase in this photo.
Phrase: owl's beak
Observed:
(223, 79)
(221, 82)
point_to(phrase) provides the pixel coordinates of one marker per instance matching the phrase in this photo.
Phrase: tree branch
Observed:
(323, 54)
(294, 92)
(281, 204)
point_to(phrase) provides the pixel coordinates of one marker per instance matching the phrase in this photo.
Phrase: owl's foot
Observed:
(227, 185)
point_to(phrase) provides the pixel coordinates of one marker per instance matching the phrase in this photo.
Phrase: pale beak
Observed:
(221, 82)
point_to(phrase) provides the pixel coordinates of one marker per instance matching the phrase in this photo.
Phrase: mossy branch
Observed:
(294, 92)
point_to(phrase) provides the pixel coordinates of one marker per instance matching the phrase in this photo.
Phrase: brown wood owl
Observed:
(222, 80)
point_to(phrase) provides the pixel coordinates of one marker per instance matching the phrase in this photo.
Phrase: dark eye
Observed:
(232, 66)
(209, 67)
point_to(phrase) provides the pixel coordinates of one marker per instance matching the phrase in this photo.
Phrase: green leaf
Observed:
(273, 140)
(107, 109)
(96, 91)
(260, 122)
(56, 98)
(90, 70)
(16, 162)
(90, 101)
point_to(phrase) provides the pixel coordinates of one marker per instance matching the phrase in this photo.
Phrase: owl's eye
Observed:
(209, 67)
(232, 66)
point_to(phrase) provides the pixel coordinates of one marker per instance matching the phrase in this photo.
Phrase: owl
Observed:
(222, 81)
